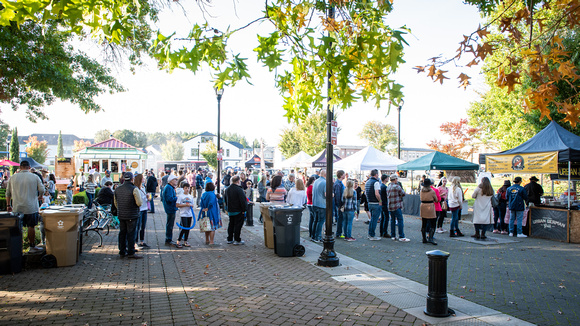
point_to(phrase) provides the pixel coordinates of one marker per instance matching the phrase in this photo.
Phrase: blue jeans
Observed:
(376, 210)
(311, 221)
(169, 227)
(454, 226)
(398, 215)
(320, 214)
(152, 203)
(340, 224)
(90, 197)
(519, 215)
(140, 228)
(335, 213)
(127, 236)
(348, 217)
(384, 226)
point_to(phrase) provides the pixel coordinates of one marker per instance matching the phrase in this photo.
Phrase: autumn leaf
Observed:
(572, 113)
(419, 68)
(439, 76)
(484, 50)
(431, 71)
(482, 32)
(473, 62)
(464, 81)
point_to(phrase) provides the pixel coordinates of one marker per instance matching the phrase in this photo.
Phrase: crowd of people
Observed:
(192, 195)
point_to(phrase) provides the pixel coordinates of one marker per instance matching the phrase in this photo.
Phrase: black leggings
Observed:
(185, 222)
(427, 224)
(440, 218)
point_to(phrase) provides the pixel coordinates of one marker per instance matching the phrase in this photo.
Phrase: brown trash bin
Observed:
(62, 227)
(268, 225)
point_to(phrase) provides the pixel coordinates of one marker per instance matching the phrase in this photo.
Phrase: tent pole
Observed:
(569, 183)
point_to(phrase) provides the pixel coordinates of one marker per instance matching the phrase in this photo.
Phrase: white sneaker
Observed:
(511, 234)
(404, 240)
(374, 238)
(394, 238)
(522, 236)
(440, 230)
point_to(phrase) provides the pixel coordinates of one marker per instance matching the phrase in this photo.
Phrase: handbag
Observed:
(205, 224)
(495, 200)
(444, 206)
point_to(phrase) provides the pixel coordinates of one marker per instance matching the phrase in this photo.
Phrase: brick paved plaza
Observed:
(378, 283)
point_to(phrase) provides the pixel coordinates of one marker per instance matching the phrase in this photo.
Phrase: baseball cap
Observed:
(128, 176)
(171, 177)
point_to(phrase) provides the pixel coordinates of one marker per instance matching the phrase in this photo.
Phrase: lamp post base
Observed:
(328, 257)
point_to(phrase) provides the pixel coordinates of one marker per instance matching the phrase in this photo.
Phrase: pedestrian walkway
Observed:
(200, 285)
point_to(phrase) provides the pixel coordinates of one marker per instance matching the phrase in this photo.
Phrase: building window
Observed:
(206, 139)
(194, 152)
(241, 153)
(227, 153)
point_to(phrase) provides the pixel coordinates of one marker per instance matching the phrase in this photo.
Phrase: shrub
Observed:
(81, 197)
(2, 204)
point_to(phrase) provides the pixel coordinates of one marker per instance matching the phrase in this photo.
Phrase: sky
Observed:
(157, 101)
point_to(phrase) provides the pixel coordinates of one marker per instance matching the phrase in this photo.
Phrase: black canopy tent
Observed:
(553, 138)
(320, 160)
(255, 162)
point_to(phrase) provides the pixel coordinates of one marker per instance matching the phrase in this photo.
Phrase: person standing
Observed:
(517, 197)
(455, 197)
(395, 194)
(482, 209)
(277, 193)
(290, 182)
(170, 206)
(297, 195)
(52, 186)
(209, 218)
(106, 195)
(151, 189)
(319, 205)
(185, 205)
(383, 227)
(90, 190)
(127, 201)
(142, 220)
(350, 204)
(443, 191)
(373, 192)
(199, 186)
(237, 205)
(309, 186)
(535, 192)
(106, 178)
(427, 211)
(337, 191)
(23, 193)
(499, 212)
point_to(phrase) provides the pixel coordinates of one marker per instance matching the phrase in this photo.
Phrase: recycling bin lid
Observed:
(286, 207)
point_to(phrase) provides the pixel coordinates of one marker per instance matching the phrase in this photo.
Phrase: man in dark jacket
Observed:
(170, 206)
(535, 192)
(337, 190)
(384, 226)
(151, 189)
(128, 201)
(517, 197)
(237, 205)
(106, 195)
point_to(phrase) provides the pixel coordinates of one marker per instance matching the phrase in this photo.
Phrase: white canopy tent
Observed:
(299, 160)
(367, 159)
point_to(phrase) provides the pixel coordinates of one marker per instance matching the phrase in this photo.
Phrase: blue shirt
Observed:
(516, 196)
(338, 189)
(318, 193)
(169, 199)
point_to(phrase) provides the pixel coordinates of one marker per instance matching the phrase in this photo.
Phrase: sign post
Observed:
(333, 132)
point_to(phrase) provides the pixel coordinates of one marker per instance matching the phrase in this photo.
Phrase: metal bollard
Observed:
(437, 292)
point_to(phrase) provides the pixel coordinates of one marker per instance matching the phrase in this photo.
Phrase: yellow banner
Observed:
(522, 163)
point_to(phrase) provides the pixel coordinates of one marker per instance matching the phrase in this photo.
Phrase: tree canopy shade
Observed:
(37, 66)
(356, 49)
(438, 161)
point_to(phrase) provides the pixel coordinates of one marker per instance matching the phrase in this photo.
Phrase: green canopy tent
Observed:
(438, 161)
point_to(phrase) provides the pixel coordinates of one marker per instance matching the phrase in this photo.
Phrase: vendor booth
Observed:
(552, 150)
(255, 162)
(432, 161)
(367, 159)
(300, 160)
(319, 160)
(113, 155)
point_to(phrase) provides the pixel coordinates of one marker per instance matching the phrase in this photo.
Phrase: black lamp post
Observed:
(328, 257)
(198, 143)
(218, 92)
(399, 131)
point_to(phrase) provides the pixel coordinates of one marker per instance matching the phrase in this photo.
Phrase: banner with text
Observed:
(563, 170)
(522, 163)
